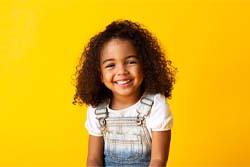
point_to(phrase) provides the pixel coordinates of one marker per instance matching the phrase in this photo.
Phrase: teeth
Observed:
(122, 82)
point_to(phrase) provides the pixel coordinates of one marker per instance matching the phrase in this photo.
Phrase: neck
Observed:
(120, 102)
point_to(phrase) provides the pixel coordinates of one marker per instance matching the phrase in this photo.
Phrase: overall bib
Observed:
(127, 141)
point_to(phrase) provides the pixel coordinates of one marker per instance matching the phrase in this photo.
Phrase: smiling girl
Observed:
(124, 79)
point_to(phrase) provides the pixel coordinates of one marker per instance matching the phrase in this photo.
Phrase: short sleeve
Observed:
(92, 124)
(160, 118)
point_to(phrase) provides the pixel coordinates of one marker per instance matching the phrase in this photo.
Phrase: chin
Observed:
(125, 93)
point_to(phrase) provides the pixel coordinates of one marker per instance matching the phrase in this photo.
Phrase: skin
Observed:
(119, 62)
(160, 148)
(95, 151)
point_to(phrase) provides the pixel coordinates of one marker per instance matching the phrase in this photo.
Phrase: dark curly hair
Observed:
(159, 73)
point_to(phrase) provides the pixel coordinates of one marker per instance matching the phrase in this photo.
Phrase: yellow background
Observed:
(41, 41)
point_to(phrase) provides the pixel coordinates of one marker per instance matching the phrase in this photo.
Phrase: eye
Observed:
(109, 65)
(131, 62)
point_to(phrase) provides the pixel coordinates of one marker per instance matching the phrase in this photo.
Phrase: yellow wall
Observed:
(40, 43)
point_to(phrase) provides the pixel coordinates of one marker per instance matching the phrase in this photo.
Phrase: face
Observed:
(121, 70)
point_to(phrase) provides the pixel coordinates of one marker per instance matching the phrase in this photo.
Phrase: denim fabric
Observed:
(126, 143)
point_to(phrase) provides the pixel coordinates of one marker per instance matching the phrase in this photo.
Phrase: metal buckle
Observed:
(102, 122)
(147, 101)
(139, 120)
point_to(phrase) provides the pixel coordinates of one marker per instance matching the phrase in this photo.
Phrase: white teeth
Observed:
(122, 82)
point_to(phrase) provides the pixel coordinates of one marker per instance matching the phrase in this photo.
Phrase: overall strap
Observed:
(145, 105)
(101, 112)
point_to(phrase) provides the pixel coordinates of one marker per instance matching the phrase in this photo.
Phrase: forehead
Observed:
(117, 48)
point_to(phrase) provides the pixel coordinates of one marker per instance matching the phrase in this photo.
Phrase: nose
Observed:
(121, 70)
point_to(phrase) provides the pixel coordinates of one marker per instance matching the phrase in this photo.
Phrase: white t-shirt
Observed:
(159, 119)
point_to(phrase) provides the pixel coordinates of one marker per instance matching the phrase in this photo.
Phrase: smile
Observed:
(123, 83)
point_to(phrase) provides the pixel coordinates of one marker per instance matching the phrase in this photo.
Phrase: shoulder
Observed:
(92, 123)
(160, 103)
(91, 110)
(158, 99)
(160, 117)
(100, 106)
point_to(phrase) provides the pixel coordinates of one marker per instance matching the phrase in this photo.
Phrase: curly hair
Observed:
(159, 73)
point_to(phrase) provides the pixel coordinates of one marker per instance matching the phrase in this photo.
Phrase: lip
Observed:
(124, 79)
(123, 85)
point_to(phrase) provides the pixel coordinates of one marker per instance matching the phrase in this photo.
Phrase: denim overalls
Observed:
(127, 141)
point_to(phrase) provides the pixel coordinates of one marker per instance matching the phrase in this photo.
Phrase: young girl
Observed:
(124, 79)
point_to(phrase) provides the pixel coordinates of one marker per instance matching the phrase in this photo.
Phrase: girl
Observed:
(124, 79)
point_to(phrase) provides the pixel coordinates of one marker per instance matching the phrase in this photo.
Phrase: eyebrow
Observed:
(130, 56)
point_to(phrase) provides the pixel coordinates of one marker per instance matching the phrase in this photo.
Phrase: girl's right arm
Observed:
(95, 151)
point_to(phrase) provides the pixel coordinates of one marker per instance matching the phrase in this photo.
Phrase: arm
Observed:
(95, 151)
(160, 148)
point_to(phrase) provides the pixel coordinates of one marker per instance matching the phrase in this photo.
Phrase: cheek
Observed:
(139, 71)
(106, 76)
(103, 74)
(141, 75)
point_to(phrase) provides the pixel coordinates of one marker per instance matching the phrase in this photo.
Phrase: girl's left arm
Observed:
(160, 148)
